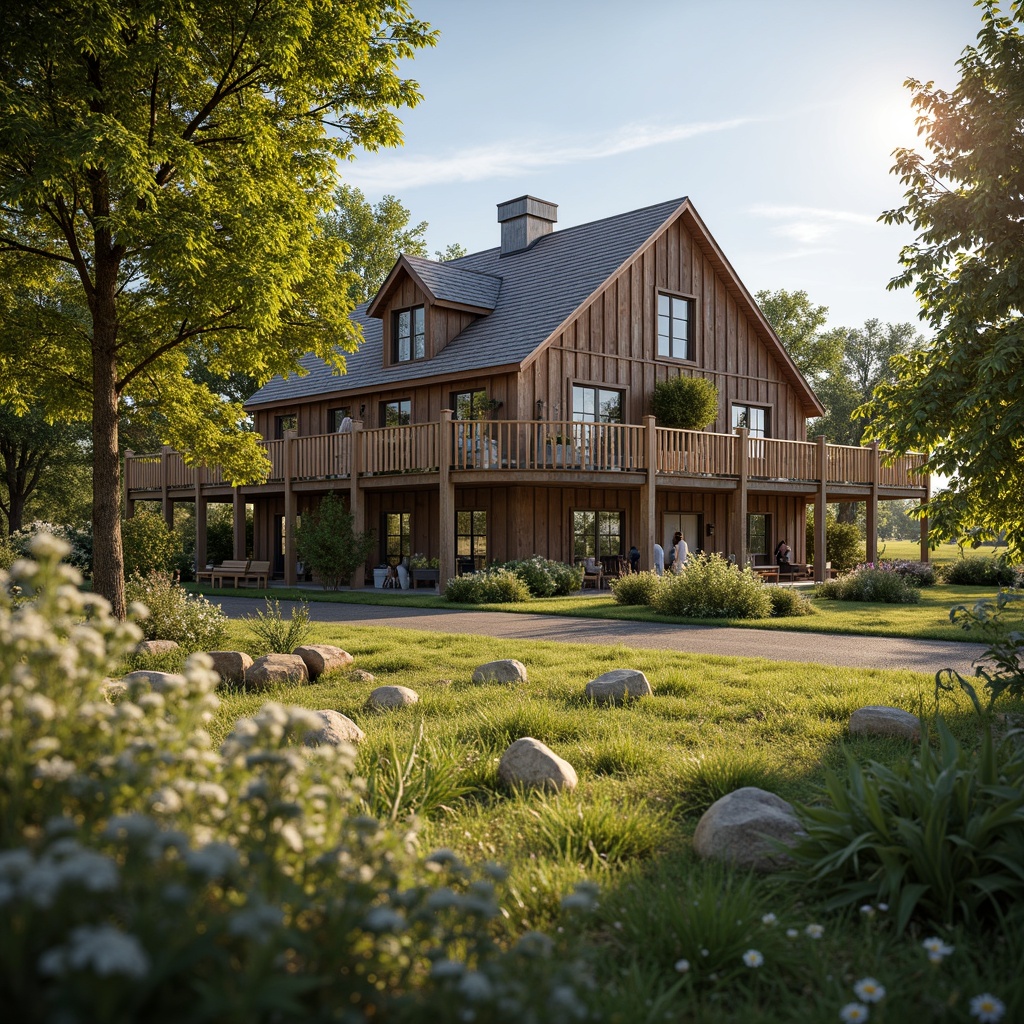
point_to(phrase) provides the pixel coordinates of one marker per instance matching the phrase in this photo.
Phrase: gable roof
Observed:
(538, 290)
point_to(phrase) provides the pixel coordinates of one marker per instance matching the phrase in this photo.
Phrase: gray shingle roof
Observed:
(539, 288)
(450, 283)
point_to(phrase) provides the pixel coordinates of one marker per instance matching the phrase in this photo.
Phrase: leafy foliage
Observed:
(958, 399)
(940, 838)
(328, 544)
(175, 614)
(920, 574)
(843, 543)
(149, 544)
(495, 585)
(982, 571)
(788, 603)
(639, 588)
(77, 538)
(799, 324)
(271, 633)
(544, 577)
(710, 587)
(686, 403)
(882, 585)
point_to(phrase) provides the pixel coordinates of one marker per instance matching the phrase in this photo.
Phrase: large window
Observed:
(596, 533)
(675, 327)
(397, 534)
(470, 405)
(753, 417)
(289, 421)
(397, 413)
(596, 405)
(758, 534)
(410, 337)
(471, 537)
(335, 416)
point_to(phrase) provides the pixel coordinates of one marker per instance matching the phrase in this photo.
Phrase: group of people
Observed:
(678, 555)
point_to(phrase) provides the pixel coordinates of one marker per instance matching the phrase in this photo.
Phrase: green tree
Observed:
(163, 172)
(329, 546)
(959, 399)
(800, 326)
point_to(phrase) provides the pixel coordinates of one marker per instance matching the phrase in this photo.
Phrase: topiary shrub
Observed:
(981, 571)
(869, 584)
(328, 544)
(686, 403)
(712, 588)
(638, 588)
(175, 614)
(787, 603)
(147, 875)
(149, 544)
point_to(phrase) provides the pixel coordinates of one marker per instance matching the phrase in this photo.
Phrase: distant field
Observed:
(911, 550)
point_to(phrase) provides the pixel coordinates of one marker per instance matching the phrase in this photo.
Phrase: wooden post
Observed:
(924, 519)
(238, 524)
(289, 508)
(200, 553)
(648, 494)
(740, 546)
(166, 505)
(446, 516)
(129, 504)
(872, 507)
(820, 508)
(356, 498)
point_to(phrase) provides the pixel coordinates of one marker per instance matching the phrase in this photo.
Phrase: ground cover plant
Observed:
(882, 585)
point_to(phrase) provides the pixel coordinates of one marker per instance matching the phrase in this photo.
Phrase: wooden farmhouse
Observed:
(500, 407)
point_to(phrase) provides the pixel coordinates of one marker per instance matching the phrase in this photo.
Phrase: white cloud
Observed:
(512, 158)
(810, 225)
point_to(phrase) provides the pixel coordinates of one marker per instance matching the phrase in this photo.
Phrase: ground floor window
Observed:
(595, 534)
(397, 534)
(471, 537)
(758, 533)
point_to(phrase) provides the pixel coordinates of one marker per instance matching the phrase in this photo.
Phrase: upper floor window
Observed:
(596, 405)
(675, 327)
(410, 336)
(335, 416)
(289, 421)
(753, 417)
(470, 405)
(397, 413)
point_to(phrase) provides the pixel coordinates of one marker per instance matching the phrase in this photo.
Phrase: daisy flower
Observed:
(868, 990)
(682, 966)
(937, 949)
(853, 1013)
(814, 931)
(987, 1008)
(752, 958)
(769, 919)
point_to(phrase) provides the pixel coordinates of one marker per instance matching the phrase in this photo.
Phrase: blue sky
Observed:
(777, 118)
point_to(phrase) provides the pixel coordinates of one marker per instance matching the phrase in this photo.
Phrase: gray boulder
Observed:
(387, 697)
(321, 658)
(275, 668)
(876, 720)
(618, 686)
(231, 666)
(337, 729)
(159, 681)
(530, 763)
(360, 675)
(739, 829)
(156, 646)
(506, 671)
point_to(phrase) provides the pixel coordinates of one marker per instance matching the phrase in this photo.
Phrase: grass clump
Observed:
(882, 585)
(638, 588)
(269, 632)
(709, 587)
(708, 777)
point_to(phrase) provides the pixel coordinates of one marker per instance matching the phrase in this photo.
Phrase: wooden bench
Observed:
(228, 566)
(769, 573)
(794, 571)
(240, 571)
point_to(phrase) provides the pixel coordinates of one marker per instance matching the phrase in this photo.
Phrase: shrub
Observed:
(843, 543)
(636, 588)
(271, 633)
(78, 540)
(686, 403)
(147, 875)
(501, 586)
(543, 577)
(149, 544)
(868, 584)
(938, 838)
(787, 602)
(328, 545)
(981, 571)
(175, 614)
(464, 589)
(920, 574)
(712, 588)
(7, 554)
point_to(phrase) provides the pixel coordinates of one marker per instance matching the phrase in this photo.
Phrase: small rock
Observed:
(506, 671)
(385, 697)
(148, 647)
(275, 668)
(360, 675)
(618, 686)
(157, 680)
(337, 729)
(738, 828)
(321, 658)
(231, 666)
(530, 763)
(876, 720)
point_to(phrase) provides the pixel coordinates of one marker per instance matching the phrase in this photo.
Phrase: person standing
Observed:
(659, 559)
(634, 559)
(680, 552)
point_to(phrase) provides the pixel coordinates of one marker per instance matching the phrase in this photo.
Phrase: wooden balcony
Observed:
(546, 451)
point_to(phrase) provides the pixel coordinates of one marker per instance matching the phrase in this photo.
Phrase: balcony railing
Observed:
(541, 446)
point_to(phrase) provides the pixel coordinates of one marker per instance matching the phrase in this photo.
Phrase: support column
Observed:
(924, 519)
(356, 498)
(872, 506)
(200, 555)
(289, 508)
(446, 515)
(740, 538)
(648, 494)
(129, 504)
(238, 524)
(820, 508)
(166, 505)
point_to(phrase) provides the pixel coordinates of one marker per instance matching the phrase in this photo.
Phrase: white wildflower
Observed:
(867, 910)
(937, 949)
(987, 1008)
(447, 969)
(475, 986)
(40, 708)
(853, 1013)
(682, 966)
(104, 949)
(214, 860)
(770, 920)
(256, 921)
(791, 933)
(57, 768)
(384, 919)
(166, 801)
(535, 944)
(753, 958)
(868, 990)
(814, 931)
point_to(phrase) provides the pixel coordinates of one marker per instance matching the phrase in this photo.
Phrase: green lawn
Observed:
(646, 773)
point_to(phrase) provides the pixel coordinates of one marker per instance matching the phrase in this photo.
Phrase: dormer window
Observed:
(410, 336)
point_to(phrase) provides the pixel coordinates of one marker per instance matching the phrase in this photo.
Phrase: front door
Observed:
(687, 523)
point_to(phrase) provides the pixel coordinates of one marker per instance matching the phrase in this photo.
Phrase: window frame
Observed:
(280, 426)
(404, 536)
(476, 548)
(397, 337)
(748, 407)
(597, 389)
(767, 517)
(480, 411)
(385, 405)
(598, 513)
(690, 303)
(335, 416)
